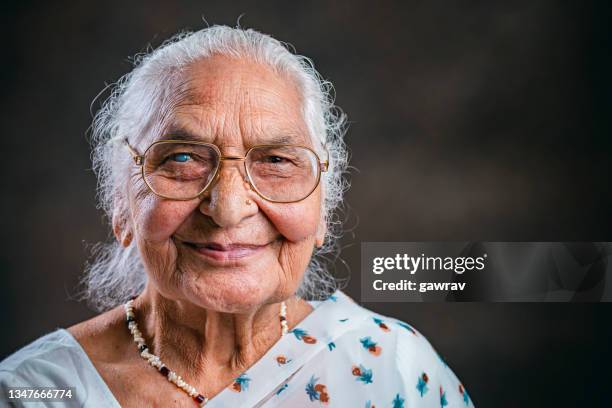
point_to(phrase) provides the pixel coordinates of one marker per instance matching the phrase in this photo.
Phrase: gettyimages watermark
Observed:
(486, 271)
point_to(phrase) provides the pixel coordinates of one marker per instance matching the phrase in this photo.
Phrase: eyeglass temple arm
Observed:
(138, 159)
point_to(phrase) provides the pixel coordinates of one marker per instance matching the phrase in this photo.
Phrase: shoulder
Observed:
(97, 334)
(406, 357)
(369, 321)
(56, 360)
(61, 353)
(401, 341)
(46, 361)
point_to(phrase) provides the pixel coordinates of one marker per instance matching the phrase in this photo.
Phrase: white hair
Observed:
(138, 106)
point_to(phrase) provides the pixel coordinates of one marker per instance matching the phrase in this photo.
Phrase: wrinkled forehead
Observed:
(234, 102)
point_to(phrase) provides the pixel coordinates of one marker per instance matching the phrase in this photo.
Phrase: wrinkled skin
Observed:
(212, 311)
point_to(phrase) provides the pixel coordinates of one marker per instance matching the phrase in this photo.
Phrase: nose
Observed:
(229, 200)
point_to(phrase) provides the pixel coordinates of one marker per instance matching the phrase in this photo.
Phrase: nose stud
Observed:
(248, 202)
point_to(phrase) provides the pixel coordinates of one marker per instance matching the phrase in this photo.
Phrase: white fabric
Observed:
(341, 355)
(55, 360)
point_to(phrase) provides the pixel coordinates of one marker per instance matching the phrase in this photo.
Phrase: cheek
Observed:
(295, 221)
(157, 219)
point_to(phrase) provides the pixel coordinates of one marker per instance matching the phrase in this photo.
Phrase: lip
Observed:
(227, 252)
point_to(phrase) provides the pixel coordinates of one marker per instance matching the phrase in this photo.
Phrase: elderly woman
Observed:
(220, 159)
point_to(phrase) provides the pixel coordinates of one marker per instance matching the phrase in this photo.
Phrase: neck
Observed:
(194, 340)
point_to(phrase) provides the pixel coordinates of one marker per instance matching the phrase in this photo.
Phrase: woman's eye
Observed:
(180, 157)
(274, 159)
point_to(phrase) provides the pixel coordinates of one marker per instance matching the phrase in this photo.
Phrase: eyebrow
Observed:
(182, 135)
(280, 139)
(187, 136)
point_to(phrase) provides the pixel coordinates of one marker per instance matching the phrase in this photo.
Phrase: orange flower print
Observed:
(363, 374)
(381, 324)
(464, 394)
(309, 339)
(372, 347)
(303, 336)
(241, 383)
(280, 359)
(317, 391)
(323, 395)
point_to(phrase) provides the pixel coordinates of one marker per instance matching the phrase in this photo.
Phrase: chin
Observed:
(234, 294)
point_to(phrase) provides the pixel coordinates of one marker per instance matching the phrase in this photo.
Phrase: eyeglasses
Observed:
(180, 170)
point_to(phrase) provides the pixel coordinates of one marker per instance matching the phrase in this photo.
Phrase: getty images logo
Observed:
(412, 264)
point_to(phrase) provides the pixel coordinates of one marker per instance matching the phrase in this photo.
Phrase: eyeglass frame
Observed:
(139, 160)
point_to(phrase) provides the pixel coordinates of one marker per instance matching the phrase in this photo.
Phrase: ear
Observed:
(121, 229)
(321, 231)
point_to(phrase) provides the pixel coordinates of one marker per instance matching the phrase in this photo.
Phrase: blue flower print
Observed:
(407, 327)
(302, 335)
(443, 401)
(464, 394)
(398, 402)
(363, 374)
(241, 383)
(422, 384)
(372, 347)
(281, 389)
(317, 392)
(381, 323)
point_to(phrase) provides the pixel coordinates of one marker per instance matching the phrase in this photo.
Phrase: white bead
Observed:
(156, 362)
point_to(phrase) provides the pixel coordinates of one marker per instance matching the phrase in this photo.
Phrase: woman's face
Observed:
(229, 250)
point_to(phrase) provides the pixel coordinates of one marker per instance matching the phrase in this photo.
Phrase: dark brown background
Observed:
(470, 121)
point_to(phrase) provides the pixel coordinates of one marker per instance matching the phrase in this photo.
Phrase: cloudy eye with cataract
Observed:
(180, 157)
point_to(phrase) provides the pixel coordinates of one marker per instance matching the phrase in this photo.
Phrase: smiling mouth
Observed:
(221, 252)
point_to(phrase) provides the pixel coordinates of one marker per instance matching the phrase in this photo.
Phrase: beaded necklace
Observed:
(156, 362)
